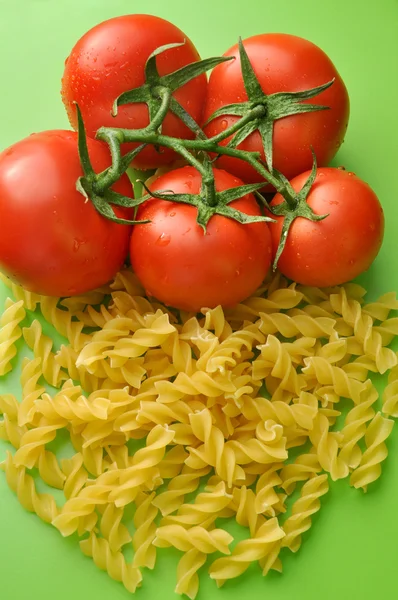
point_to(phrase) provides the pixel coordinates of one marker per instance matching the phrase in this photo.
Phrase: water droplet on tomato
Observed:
(237, 272)
(77, 243)
(224, 124)
(163, 239)
(66, 61)
(172, 214)
(71, 291)
(350, 173)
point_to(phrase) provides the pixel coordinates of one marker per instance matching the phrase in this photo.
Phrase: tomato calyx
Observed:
(210, 202)
(157, 91)
(275, 106)
(90, 184)
(294, 205)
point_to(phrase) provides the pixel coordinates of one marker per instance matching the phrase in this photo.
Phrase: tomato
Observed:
(186, 268)
(344, 244)
(110, 59)
(282, 63)
(53, 241)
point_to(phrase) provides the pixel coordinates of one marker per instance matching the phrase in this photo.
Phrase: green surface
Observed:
(351, 552)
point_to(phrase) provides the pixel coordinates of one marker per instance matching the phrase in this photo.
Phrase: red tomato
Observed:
(184, 267)
(110, 59)
(282, 63)
(53, 241)
(342, 246)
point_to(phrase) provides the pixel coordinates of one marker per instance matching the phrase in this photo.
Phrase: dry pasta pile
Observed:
(220, 398)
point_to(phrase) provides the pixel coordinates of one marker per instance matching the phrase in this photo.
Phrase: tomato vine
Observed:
(258, 113)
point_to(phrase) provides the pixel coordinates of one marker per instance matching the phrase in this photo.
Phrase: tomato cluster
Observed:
(54, 239)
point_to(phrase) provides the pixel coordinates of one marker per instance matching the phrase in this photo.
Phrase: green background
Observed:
(352, 550)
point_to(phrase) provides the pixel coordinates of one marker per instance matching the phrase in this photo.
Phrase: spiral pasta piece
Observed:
(362, 324)
(112, 529)
(42, 348)
(327, 444)
(355, 428)
(267, 500)
(321, 370)
(247, 551)
(23, 485)
(179, 487)
(10, 430)
(214, 451)
(297, 325)
(187, 573)
(369, 469)
(390, 394)
(63, 323)
(33, 444)
(206, 508)
(302, 511)
(301, 469)
(10, 332)
(176, 536)
(29, 299)
(76, 475)
(31, 390)
(145, 531)
(113, 563)
(274, 361)
(156, 333)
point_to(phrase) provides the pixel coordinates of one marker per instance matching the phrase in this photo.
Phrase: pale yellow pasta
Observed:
(355, 426)
(206, 541)
(29, 299)
(187, 482)
(369, 469)
(31, 371)
(327, 445)
(76, 475)
(243, 504)
(247, 551)
(112, 529)
(267, 499)
(274, 365)
(318, 369)
(362, 324)
(180, 422)
(42, 348)
(23, 485)
(208, 506)
(10, 332)
(145, 531)
(113, 563)
(62, 322)
(390, 394)
(187, 576)
(10, 430)
(302, 511)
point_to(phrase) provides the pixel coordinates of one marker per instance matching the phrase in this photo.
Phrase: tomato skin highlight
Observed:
(187, 269)
(340, 247)
(53, 242)
(282, 63)
(109, 59)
